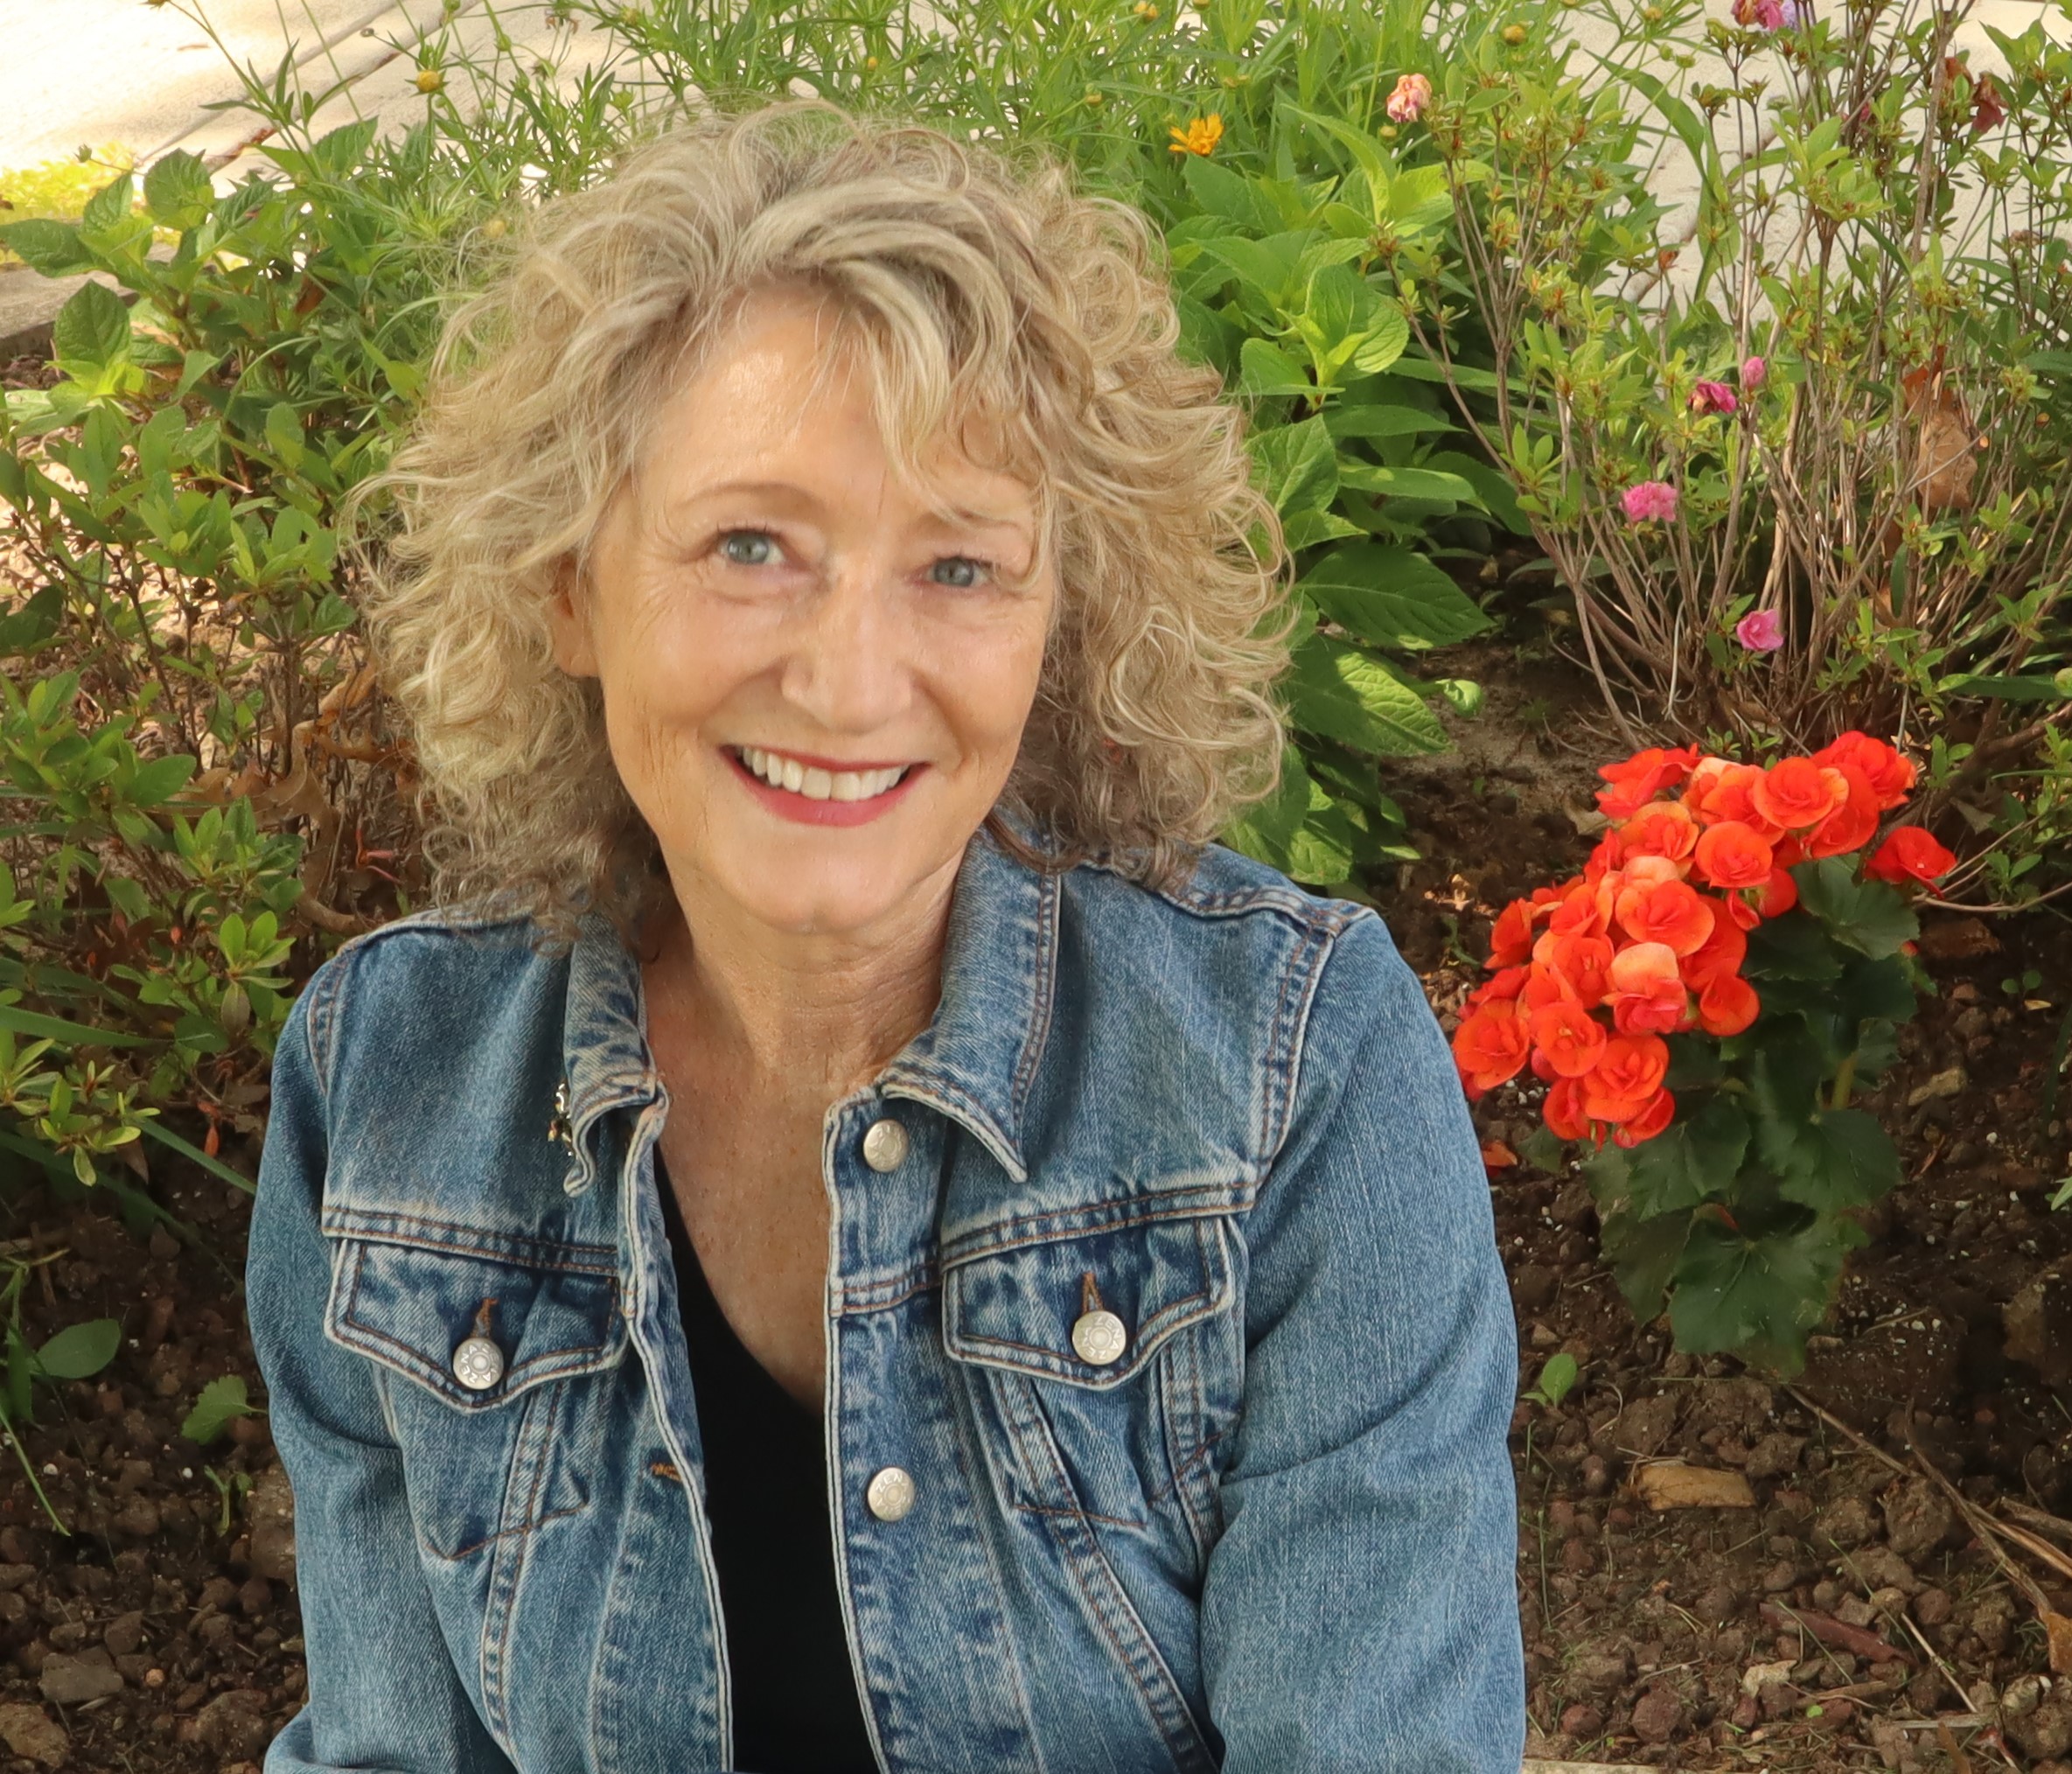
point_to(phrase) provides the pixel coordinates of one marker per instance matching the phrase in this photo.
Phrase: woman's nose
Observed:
(848, 666)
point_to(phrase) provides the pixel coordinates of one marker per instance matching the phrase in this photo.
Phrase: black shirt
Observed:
(796, 1710)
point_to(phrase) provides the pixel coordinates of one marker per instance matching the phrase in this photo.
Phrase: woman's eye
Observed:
(740, 548)
(966, 567)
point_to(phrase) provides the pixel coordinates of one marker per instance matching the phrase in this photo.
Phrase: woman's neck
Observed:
(794, 1012)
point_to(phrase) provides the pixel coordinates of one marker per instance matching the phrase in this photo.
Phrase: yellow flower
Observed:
(1514, 35)
(429, 80)
(1198, 137)
(870, 62)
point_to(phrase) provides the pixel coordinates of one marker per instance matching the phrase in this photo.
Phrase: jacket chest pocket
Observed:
(1104, 1349)
(497, 1423)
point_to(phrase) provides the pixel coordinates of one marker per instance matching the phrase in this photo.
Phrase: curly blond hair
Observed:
(970, 282)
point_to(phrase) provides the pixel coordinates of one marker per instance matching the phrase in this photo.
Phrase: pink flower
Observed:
(1760, 631)
(1407, 104)
(1650, 501)
(1755, 373)
(1769, 15)
(1712, 397)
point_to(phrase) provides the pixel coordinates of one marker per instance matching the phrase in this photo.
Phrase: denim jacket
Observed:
(1273, 1531)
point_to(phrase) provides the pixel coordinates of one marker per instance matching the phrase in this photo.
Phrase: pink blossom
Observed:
(1407, 104)
(1649, 501)
(1767, 15)
(1755, 373)
(1760, 631)
(1712, 397)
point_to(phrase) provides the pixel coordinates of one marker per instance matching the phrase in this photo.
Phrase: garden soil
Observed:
(1841, 1614)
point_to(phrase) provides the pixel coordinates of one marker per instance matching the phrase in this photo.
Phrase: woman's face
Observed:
(814, 688)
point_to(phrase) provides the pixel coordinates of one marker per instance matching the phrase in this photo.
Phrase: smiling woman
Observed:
(853, 1237)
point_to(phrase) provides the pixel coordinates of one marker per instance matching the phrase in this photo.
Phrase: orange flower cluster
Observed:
(1648, 940)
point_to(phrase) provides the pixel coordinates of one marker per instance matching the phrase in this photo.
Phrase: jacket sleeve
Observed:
(1359, 1609)
(384, 1694)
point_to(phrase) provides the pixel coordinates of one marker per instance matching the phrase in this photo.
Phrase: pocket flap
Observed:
(1018, 1307)
(410, 1306)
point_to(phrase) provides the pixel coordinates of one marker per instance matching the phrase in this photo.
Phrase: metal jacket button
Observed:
(477, 1364)
(885, 1145)
(892, 1492)
(1100, 1338)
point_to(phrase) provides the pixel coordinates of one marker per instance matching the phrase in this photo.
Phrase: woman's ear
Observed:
(568, 623)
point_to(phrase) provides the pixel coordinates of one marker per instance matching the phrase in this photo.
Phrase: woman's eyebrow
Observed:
(800, 498)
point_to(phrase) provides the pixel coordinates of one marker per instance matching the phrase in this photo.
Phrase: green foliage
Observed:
(1557, 1379)
(1738, 1216)
(220, 1402)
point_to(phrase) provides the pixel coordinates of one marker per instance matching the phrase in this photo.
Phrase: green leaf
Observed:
(161, 778)
(220, 1401)
(1556, 1377)
(93, 327)
(1393, 597)
(1643, 1254)
(1689, 1161)
(1388, 333)
(110, 204)
(1790, 947)
(2016, 689)
(1870, 916)
(30, 1023)
(1266, 828)
(1298, 466)
(1732, 1291)
(52, 248)
(1837, 1158)
(1230, 195)
(1408, 482)
(178, 191)
(1382, 421)
(79, 1351)
(1267, 371)
(1343, 694)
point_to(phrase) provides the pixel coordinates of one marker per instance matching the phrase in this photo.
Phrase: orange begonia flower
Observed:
(1491, 1046)
(1746, 917)
(1891, 773)
(1647, 991)
(1852, 825)
(1727, 795)
(1629, 1072)
(1721, 954)
(1511, 937)
(1727, 1005)
(1661, 828)
(1563, 1110)
(1798, 793)
(1659, 1112)
(1642, 776)
(1570, 1036)
(1779, 896)
(1506, 982)
(1733, 853)
(1671, 911)
(1580, 961)
(1911, 853)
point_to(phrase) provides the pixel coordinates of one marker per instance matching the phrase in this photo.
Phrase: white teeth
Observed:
(815, 784)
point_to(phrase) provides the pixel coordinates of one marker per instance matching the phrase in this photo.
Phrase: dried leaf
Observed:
(1672, 1484)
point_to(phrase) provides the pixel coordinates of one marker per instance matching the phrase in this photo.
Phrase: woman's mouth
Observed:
(819, 791)
(816, 782)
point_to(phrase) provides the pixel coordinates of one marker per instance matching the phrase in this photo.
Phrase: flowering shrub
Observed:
(1796, 449)
(1701, 1002)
